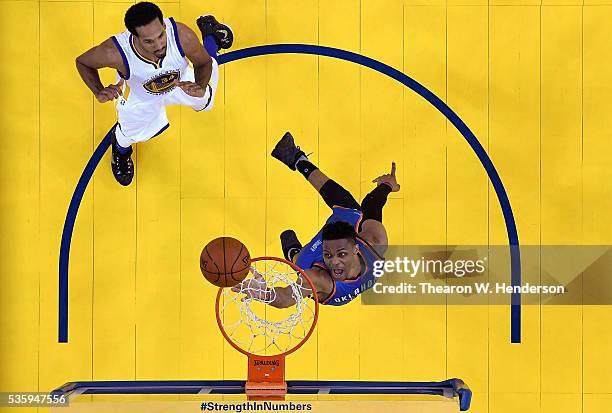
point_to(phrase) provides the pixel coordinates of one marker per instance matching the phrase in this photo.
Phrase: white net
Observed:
(253, 323)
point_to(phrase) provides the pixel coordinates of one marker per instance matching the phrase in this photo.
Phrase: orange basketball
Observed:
(225, 261)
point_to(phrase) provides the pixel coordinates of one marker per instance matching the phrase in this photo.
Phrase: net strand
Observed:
(258, 328)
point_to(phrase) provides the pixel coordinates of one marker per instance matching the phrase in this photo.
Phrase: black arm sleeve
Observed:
(373, 203)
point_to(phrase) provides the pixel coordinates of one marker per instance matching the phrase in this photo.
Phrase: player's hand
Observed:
(192, 89)
(388, 179)
(254, 288)
(110, 92)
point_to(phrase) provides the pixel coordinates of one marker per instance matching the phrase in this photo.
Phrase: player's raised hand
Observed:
(110, 92)
(254, 288)
(388, 179)
(192, 89)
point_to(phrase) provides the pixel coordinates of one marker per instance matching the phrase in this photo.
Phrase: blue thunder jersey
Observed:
(149, 80)
(312, 256)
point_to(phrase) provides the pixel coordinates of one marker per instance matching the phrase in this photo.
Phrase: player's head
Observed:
(146, 22)
(340, 250)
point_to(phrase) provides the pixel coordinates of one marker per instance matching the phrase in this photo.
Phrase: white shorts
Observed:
(140, 120)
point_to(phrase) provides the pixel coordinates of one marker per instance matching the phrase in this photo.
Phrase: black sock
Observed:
(305, 167)
(122, 151)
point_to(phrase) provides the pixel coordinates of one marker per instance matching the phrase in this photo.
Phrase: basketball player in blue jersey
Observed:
(152, 56)
(339, 259)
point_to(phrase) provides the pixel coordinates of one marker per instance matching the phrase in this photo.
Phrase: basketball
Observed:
(225, 262)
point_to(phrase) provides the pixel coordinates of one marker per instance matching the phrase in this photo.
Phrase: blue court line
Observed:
(500, 191)
(73, 209)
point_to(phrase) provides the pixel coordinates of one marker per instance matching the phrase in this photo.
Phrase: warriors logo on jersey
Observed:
(150, 80)
(163, 82)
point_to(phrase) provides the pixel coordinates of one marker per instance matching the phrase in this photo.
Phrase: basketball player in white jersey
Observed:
(152, 56)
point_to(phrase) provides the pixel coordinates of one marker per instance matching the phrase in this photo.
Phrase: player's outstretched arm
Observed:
(282, 297)
(199, 57)
(372, 229)
(103, 55)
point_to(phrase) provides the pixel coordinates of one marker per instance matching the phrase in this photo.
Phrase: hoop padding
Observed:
(254, 327)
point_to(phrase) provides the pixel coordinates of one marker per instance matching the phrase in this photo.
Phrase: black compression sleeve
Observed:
(373, 203)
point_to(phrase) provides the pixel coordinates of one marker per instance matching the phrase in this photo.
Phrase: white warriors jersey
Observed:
(149, 80)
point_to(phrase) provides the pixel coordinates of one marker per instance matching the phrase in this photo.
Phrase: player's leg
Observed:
(332, 193)
(138, 121)
(215, 35)
(121, 160)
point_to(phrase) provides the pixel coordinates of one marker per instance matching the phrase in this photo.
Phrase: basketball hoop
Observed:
(265, 334)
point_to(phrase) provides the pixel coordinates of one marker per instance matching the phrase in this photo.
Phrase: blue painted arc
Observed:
(500, 191)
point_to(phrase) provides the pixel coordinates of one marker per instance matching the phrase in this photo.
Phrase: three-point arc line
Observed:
(500, 191)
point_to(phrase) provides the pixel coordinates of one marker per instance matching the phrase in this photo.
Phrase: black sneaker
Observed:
(222, 33)
(122, 165)
(286, 151)
(290, 244)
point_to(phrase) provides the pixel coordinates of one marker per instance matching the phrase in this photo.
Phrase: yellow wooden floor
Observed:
(531, 80)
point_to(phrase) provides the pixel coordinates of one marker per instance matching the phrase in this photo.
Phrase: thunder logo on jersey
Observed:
(163, 82)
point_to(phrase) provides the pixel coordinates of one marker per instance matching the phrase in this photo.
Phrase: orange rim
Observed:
(314, 321)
